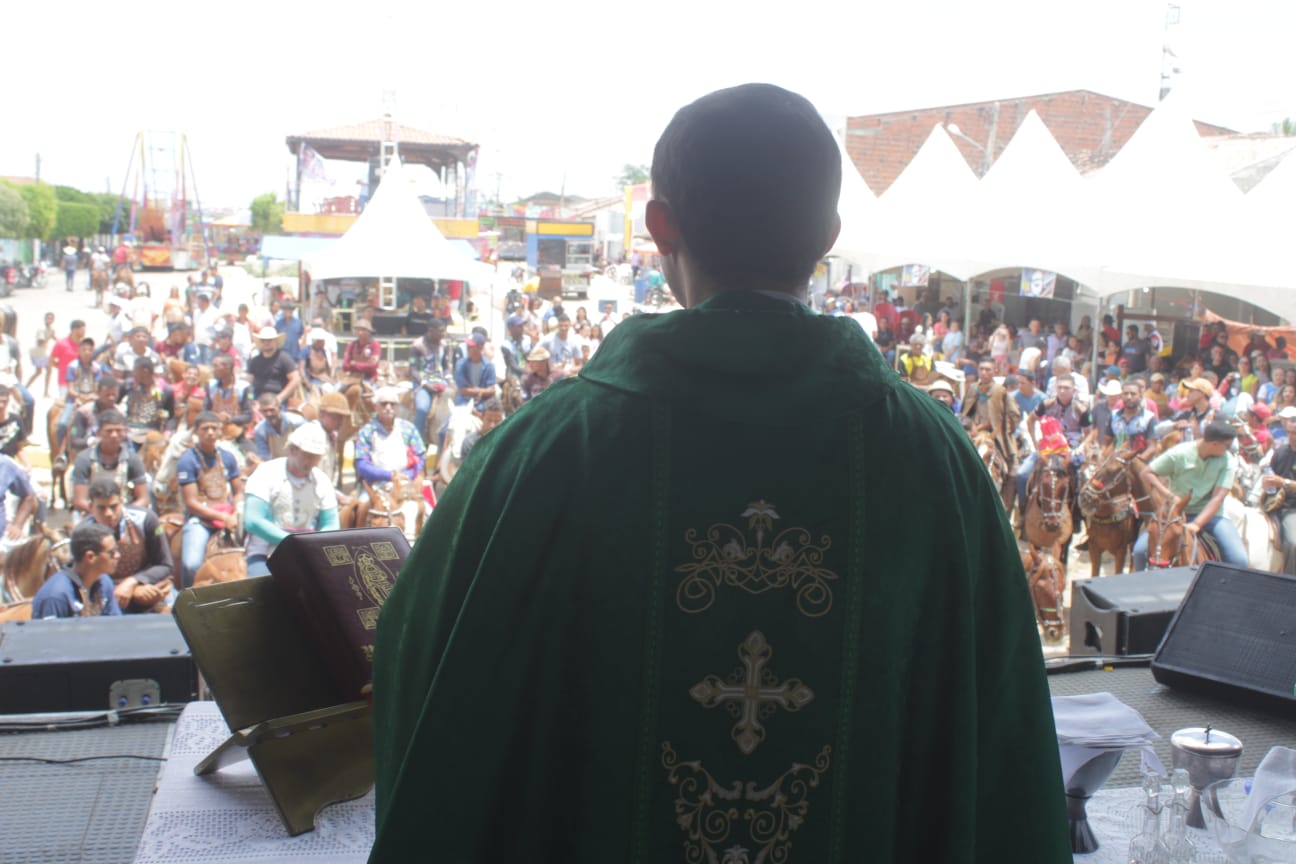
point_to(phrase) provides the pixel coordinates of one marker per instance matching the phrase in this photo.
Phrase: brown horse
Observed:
(1169, 543)
(383, 509)
(26, 567)
(224, 562)
(1047, 523)
(58, 467)
(1047, 581)
(996, 465)
(1107, 502)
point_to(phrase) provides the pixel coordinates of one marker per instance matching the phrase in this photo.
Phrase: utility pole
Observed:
(1169, 60)
(37, 167)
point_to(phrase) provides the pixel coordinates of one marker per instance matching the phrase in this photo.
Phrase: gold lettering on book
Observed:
(375, 578)
(367, 650)
(751, 693)
(338, 556)
(368, 617)
(726, 556)
(384, 551)
(713, 816)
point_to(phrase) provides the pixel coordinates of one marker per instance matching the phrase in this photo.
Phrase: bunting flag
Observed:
(313, 166)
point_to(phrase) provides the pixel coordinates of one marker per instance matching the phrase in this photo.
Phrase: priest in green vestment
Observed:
(683, 607)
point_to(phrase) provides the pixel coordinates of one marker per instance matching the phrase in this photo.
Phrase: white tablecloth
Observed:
(227, 817)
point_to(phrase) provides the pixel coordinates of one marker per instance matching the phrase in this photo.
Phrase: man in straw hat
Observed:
(272, 370)
(288, 495)
(334, 417)
(942, 392)
(554, 668)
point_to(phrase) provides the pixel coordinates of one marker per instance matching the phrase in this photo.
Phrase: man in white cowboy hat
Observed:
(942, 392)
(119, 323)
(1104, 408)
(288, 495)
(272, 370)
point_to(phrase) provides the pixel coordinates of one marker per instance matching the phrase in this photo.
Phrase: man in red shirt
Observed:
(360, 360)
(121, 255)
(65, 351)
(885, 310)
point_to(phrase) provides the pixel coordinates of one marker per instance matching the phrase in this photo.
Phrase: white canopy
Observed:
(394, 237)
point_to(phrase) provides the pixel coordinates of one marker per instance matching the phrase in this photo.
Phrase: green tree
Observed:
(42, 209)
(76, 220)
(1287, 127)
(267, 214)
(632, 175)
(106, 203)
(13, 213)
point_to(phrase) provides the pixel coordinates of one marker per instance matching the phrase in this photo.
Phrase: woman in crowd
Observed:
(942, 325)
(1248, 380)
(1001, 341)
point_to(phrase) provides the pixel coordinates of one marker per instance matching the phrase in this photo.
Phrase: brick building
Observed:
(1090, 128)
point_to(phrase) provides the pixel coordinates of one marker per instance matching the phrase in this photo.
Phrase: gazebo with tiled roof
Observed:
(360, 142)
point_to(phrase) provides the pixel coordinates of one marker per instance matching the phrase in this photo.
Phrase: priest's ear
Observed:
(662, 225)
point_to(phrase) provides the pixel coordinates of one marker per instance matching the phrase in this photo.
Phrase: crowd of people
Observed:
(225, 394)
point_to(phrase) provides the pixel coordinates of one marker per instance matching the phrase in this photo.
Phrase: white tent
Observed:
(394, 238)
(921, 218)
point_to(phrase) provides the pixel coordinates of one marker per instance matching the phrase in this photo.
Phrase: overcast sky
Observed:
(573, 90)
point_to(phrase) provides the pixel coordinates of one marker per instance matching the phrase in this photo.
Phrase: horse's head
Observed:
(385, 507)
(152, 450)
(1167, 538)
(1054, 490)
(1047, 583)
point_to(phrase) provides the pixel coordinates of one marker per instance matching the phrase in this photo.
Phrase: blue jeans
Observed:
(257, 566)
(1225, 533)
(64, 421)
(29, 406)
(193, 549)
(422, 407)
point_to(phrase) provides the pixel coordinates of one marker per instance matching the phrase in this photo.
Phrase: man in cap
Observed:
(272, 370)
(85, 587)
(515, 347)
(270, 438)
(635, 467)
(563, 345)
(1194, 419)
(1156, 392)
(212, 491)
(916, 365)
(109, 458)
(119, 323)
(142, 580)
(288, 495)
(1202, 470)
(431, 368)
(474, 375)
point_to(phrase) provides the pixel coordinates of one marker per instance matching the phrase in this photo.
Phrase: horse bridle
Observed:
(1051, 506)
(1088, 491)
(1162, 524)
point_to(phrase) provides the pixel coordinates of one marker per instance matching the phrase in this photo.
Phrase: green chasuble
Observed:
(735, 594)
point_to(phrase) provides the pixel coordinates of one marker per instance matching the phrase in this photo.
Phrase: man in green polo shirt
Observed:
(1203, 470)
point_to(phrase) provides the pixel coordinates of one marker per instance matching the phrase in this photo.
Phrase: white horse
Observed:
(1259, 533)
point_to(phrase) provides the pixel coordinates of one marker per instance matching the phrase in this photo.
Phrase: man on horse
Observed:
(1194, 419)
(212, 491)
(515, 347)
(540, 373)
(431, 368)
(1282, 477)
(85, 420)
(1131, 425)
(1202, 470)
(272, 370)
(990, 408)
(149, 402)
(14, 481)
(142, 581)
(474, 375)
(1074, 418)
(109, 459)
(228, 398)
(84, 589)
(288, 495)
(387, 445)
(334, 413)
(361, 359)
(270, 437)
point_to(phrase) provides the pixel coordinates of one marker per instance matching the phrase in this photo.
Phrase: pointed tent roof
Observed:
(1165, 213)
(922, 215)
(857, 206)
(1025, 202)
(394, 238)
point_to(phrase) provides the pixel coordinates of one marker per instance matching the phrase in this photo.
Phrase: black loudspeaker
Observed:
(1127, 613)
(93, 664)
(1234, 637)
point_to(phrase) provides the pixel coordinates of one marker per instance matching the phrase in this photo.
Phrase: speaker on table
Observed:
(93, 664)
(1234, 637)
(1127, 613)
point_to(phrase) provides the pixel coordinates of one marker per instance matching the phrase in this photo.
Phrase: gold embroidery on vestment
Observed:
(751, 693)
(337, 555)
(726, 556)
(709, 813)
